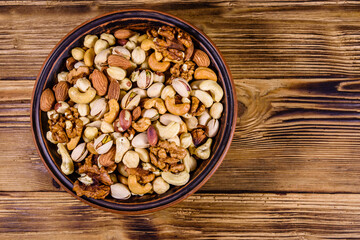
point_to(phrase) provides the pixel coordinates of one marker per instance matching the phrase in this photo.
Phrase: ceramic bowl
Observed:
(136, 19)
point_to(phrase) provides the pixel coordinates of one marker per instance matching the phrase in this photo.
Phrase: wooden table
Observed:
(293, 170)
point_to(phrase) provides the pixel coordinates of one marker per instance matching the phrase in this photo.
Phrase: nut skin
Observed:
(61, 91)
(119, 61)
(70, 62)
(99, 81)
(136, 113)
(108, 158)
(123, 33)
(47, 100)
(152, 136)
(114, 90)
(201, 58)
(125, 119)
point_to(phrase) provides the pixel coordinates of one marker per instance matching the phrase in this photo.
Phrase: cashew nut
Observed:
(204, 97)
(168, 91)
(175, 139)
(203, 151)
(214, 88)
(49, 137)
(67, 165)
(131, 159)
(160, 186)
(141, 125)
(108, 37)
(122, 146)
(168, 118)
(177, 109)
(185, 140)
(114, 109)
(73, 142)
(157, 103)
(147, 44)
(106, 127)
(176, 179)
(189, 162)
(216, 110)
(143, 154)
(204, 118)
(136, 187)
(151, 113)
(191, 123)
(156, 65)
(120, 191)
(195, 84)
(169, 131)
(79, 97)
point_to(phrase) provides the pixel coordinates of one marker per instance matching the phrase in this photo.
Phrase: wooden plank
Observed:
(291, 134)
(259, 39)
(202, 216)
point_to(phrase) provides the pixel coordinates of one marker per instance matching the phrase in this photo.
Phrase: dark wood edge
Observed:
(206, 177)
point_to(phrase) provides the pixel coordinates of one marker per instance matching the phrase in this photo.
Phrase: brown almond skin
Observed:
(125, 123)
(136, 113)
(201, 58)
(114, 90)
(123, 33)
(99, 82)
(108, 158)
(119, 61)
(47, 100)
(122, 42)
(152, 135)
(61, 91)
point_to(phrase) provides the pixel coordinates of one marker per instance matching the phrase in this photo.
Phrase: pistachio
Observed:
(204, 118)
(120, 191)
(168, 91)
(125, 84)
(121, 51)
(130, 100)
(213, 126)
(131, 159)
(140, 141)
(168, 118)
(98, 108)
(101, 59)
(181, 86)
(216, 110)
(79, 153)
(91, 132)
(103, 143)
(154, 91)
(146, 78)
(151, 113)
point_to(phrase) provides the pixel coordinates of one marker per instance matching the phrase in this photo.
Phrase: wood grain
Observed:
(296, 67)
(202, 216)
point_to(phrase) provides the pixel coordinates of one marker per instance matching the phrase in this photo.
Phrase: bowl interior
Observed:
(139, 21)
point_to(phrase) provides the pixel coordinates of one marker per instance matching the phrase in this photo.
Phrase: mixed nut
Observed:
(133, 113)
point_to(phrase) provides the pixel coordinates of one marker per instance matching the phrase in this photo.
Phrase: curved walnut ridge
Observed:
(134, 19)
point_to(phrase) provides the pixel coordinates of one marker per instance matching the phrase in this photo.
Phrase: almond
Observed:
(119, 61)
(99, 82)
(47, 100)
(114, 90)
(123, 33)
(108, 158)
(61, 91)
(201, 58)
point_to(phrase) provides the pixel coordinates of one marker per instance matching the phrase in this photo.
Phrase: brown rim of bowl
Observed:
(210, 173)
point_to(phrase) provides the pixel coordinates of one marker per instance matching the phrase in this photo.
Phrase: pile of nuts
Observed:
(134, 112)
